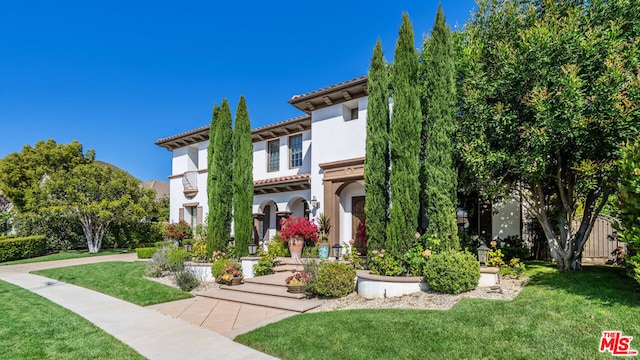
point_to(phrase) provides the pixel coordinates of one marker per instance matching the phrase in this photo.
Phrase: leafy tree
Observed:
(376, 166)
(96, 195)
(220, 198)
(22, 172)
(406, 121)
(550, 91)
(242, 179)
(629, 206)
(438, 173)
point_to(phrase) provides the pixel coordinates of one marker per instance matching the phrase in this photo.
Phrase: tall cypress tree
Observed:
(406, 121)
(212, 200)
(438, 174)
(376, 165)
(242, 179)
(221, 173)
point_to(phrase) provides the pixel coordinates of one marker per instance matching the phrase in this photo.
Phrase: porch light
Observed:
(483, 255)
(314, 202)
(337, 251)
(252, 248)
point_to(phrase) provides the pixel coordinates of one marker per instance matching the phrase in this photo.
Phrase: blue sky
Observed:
(119, 75)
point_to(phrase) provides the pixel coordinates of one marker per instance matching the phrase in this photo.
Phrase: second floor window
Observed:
(273, 152)
(295, 151)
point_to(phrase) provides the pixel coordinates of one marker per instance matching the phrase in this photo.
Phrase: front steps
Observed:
(268, 290)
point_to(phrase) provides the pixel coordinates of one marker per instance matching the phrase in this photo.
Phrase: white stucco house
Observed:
(305, 166)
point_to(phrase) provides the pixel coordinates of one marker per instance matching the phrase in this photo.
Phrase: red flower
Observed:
(298, 226)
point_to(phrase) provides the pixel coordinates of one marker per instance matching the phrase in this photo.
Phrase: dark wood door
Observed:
(357, 224)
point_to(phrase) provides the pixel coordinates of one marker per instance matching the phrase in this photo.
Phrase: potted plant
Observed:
(297, 281)
(231, 275)
(295, 231)
(324, 226)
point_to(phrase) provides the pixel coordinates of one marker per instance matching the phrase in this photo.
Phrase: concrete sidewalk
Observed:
(153, 335)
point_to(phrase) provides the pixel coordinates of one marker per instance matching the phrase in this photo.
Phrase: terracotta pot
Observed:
(296, 245)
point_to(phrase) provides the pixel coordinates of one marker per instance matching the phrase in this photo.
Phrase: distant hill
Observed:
(161, 188)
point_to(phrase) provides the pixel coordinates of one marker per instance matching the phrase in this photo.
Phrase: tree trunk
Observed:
(93, 233)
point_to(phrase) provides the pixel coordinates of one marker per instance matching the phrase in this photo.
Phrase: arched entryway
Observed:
(298, 206)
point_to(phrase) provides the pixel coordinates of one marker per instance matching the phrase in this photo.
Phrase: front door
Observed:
(358, 223)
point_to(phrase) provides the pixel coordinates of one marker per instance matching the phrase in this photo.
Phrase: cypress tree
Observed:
(242, 179)
(406, 120)
(438, 174)
(221, 173)
(212, 201)
(376, 165)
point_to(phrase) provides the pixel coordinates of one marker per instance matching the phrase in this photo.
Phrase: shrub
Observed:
(297, 226)
(452, 272)
(22, 248)
(310, 252)
(199, 250)
(159, 263)
(385, 264)
(178, 231)
(278, 248)
(176, 258)
(264, 266)
(335, 279)
(416, 259)
(164, 244)
(218, 266)
(145, 252)
(186, 280)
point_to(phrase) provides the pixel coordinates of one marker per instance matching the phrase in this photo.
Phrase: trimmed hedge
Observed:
(335, 279)
(145, 252)
(22, 248)
(452, 272)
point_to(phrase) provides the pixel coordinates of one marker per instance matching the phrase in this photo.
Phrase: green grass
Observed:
(65, 255)
(32, 327)
(556, 316)
(123, 280)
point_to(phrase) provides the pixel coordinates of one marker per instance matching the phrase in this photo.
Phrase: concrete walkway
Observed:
(150, 333)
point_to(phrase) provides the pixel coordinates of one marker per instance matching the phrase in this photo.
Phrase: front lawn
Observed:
(65, 255)
(32, 327)
(123, 280)
(556, 316)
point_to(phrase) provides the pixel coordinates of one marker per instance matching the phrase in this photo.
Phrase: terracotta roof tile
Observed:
(281, 179)
(329, 88)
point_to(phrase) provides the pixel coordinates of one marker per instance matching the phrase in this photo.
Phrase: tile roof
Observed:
(281, 179)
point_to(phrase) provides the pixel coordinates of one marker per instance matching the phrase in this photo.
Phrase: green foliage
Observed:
(335, 279)
(310, 252)
(452, 272)
(382, 263)
(199, 251)
(376, 165)
(629, 205)
(495, 258)
(176, 258)
(98, 195)
(159, 263)
(218, 266)
(145, 252)
(186, 280)
(178, 231)
(438, 173)
(131, 233)
(549, 91)
(353, 256)
(164, 244)
(264, 266)
(220, 174)
(6, 221)
(21, 248)
(61, 232)
(416, 259)
(242, 180)
(22, 172)
(278, 248)
(406, 121)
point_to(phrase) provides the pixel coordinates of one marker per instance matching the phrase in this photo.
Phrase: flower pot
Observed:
(296, 289)
(236, 281)
(296, 245)
(323, 251)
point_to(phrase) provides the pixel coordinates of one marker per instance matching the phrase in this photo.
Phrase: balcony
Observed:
(190, 183)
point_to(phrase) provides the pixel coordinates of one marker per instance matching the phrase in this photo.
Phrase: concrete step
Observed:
(276, 279)
(276, 302)
(264, 290)
(287, 268)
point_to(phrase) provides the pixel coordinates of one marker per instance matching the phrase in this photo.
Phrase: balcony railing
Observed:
(190, 183)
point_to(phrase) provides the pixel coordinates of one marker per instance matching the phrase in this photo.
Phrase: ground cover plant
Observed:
(123, 280)
(32, 327)
(557, 316)
(64, 255)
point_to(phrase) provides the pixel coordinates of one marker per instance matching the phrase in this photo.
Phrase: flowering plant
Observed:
(379, 264)
(298, 226)
(177, 231)
(298, 278)
(231, 271)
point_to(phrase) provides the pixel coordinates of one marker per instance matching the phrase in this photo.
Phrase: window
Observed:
(273, 153)
(354, 113)
(295, 151)
(193, 216)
